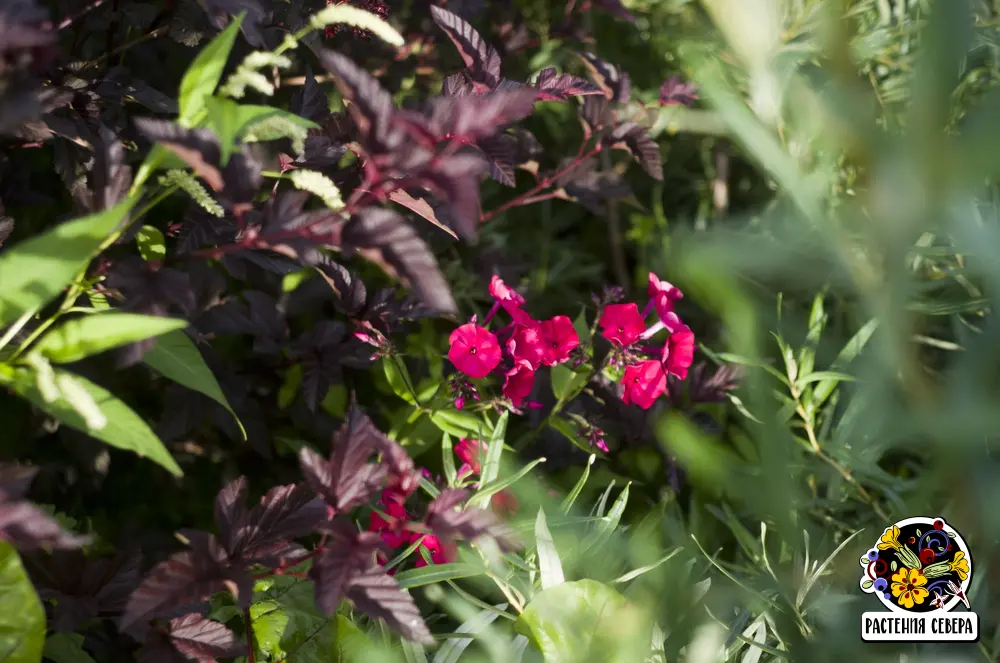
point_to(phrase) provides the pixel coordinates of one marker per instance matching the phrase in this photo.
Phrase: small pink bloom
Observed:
(459, 403)
(644, 383)
(393, 531)
(678, 353)
(622, 324)
(474, 350)
(559, 338)
(510, 300)
(440, 553)
(500, 292)
(519, 381)
(470, 452)
(662, 295)
(526, 344)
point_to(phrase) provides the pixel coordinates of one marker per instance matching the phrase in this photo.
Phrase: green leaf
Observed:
(124, 428)
(204, 74)
(460, 423)
(175, 356)
(290, 386)
(567, 503)
(585, 621)
(22, 619)
(491, 464)
(91, 334)
(580, 325)
(399, 378)
(486, 491)
(567, 383)
(549, 567)
(435, 573)
(820, 376)
(66, 648)
(448, 459)
(34, 272)
(231, 121)
(152, 244)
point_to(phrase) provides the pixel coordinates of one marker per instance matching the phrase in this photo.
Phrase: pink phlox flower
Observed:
(440, 553)
(662, 295)
(471, 453)
(526, 344)
(559, 337)
(474, 350)
(519, 381)
(622, 324)
(678, 352)
(643, 383)
(392, 531)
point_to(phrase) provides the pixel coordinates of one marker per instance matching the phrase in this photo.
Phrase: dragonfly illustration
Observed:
(938, 601)
(955, 590)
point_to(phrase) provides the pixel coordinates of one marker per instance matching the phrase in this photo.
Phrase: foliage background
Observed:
(841, 153)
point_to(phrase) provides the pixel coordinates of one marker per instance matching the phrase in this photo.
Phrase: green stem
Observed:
(16, 327)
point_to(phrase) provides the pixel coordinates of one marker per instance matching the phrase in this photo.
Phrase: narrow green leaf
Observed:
(486, 491)
(567, 503)
(34, 272)
(22, 619)
(461, 424)
(205, 72)
(435, 573)
(491, 464)
(820, 376)
(448, 459)
(152, 244)
(549, 567)
(175, 356)
(91, 334)
(452, 650)
(124, 428)
(632, 575)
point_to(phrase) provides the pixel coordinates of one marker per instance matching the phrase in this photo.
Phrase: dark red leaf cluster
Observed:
(22, 523)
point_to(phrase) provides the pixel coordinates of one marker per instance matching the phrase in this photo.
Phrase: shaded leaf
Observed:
(481, 59)
(448, 520)
(22, 620)
(378, 595)
(388, 237)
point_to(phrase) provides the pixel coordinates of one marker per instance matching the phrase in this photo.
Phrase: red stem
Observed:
(69, 20)
(529, 196)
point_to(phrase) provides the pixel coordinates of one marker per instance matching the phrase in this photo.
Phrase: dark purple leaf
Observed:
(370, 106)
(322, 352)
(6, 228)
(387, 238)
(595, 113)
(448, 520)
(477, 116)
(501, 154)
(634, 139)
(378, 595)
(347, 479)
(705, 388)
(186, 578)
(456, 180)
(346, 555)
(191, 638)
(309, 101)
(481, 60)
(22, 26)
(553, 86)
(238, 180)
(675, 91)
(22, 523)
(592, 188)
(420, 207)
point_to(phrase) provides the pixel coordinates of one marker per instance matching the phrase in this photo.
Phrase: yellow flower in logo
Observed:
(960, 565)
(908, 587)
(890, 539)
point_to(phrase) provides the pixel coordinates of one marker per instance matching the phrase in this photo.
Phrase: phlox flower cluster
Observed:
(521, 347)
(646, 365)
